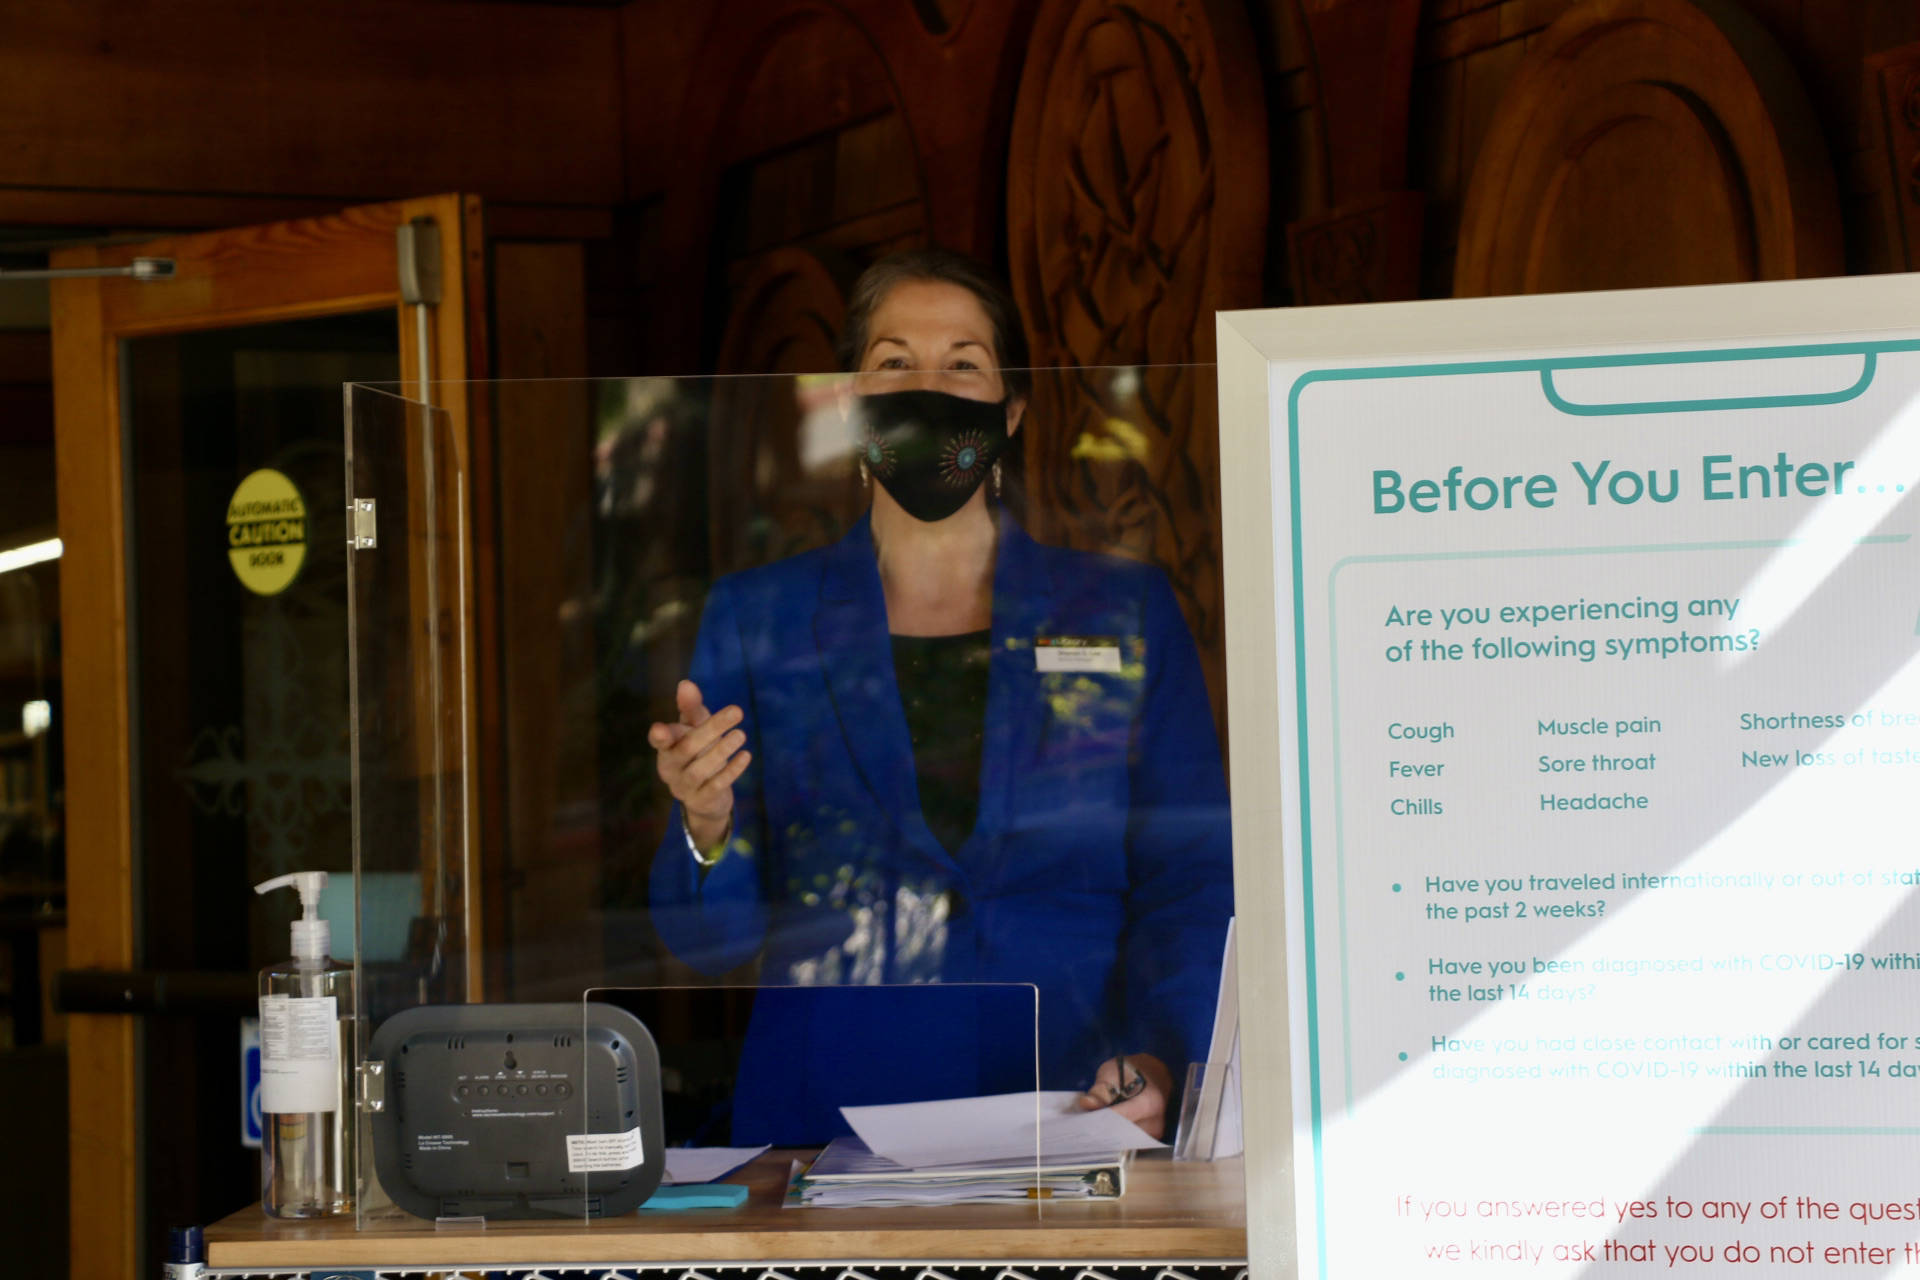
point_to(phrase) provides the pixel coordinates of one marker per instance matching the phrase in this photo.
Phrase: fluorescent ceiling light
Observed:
(32, 553)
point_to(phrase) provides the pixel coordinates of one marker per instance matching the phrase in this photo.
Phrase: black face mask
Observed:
(931, 449)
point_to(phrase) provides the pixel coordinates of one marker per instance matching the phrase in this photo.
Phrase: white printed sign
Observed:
(1599, 677)
(604, 1152)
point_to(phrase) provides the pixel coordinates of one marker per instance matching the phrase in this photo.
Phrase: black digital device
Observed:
(518, 1111)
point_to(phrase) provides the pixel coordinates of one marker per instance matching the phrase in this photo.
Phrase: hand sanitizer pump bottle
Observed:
(306, 1068)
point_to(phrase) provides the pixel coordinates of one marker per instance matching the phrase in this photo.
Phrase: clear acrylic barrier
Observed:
(1017, 790)
(1209, 1127)
(405, 498)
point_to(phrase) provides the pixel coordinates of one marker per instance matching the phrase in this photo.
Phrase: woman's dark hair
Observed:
(942, 266)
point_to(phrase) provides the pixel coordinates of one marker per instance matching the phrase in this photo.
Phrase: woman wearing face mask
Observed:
(938, 751)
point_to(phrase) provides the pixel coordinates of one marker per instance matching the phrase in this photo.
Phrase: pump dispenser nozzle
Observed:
(312, 938)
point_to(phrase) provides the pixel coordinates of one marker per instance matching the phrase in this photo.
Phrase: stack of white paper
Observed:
(1017, 1146)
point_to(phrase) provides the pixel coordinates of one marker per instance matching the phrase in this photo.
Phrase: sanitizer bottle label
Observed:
(299, 1054)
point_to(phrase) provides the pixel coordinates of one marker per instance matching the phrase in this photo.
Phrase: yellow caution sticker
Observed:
(267, 532)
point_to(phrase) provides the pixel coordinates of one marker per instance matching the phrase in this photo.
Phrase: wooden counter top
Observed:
(1173, 1211)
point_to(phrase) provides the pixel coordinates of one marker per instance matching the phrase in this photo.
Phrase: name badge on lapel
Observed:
(1076, 653)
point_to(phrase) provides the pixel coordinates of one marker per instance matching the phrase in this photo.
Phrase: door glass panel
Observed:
(238, 642)
(33, 917)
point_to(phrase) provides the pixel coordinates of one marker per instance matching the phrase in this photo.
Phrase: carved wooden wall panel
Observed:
(1137, 199)
(942, 18)
(887, 118)
(775, 485)
(1643, 142)
(771, 96)
(1363, 243)
(1365, 251)
(1897, 77)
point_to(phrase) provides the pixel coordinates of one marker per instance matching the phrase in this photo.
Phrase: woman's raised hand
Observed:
(699, 759)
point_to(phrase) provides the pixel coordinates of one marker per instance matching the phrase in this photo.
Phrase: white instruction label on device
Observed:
(603, 1152)
(299, 1054)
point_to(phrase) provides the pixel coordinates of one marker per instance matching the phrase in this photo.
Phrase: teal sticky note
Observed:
(698, 1195)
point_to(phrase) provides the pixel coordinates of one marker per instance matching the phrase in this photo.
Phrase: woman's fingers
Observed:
(695, 741)
(715, 795)
(691, 705)
(1147, 1105)
(1148, 1110)
(714, 758)
(1106, 1083)
(662, 736)
(700, 759)
(666, 762)
(690, 702)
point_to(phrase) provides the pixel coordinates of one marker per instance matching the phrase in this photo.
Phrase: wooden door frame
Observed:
(342, 262)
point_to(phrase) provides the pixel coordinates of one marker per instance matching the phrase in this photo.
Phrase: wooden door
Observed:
(324, 295)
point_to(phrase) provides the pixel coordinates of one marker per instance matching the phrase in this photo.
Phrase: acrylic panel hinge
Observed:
(373, 1086)
(360, 525)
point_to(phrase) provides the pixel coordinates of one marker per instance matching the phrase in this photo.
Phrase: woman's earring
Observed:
(865, 479)
(996, 479)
